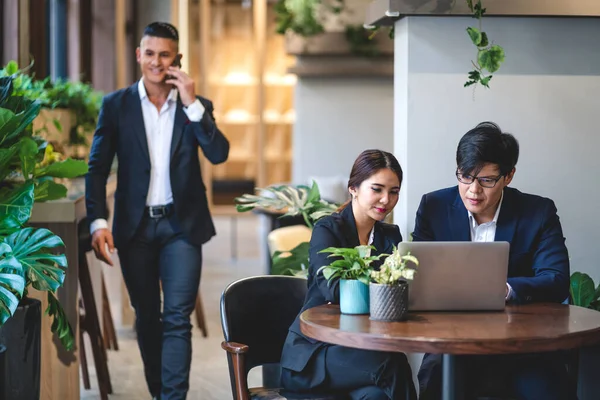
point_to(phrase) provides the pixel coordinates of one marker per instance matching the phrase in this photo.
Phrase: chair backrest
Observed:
(288, 237)
(258, 311)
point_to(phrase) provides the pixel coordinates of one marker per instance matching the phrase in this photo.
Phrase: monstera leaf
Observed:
(30, 246)
(12, 283)
(60, 324)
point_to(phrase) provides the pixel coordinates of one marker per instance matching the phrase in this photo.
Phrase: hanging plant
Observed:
(489, 56)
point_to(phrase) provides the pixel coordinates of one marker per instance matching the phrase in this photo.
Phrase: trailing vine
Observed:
(489, 56)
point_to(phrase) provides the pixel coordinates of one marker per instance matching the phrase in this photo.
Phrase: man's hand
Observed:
(184, 84)
(101, 238)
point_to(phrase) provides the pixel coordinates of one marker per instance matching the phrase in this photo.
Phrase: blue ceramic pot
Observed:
(354, 297)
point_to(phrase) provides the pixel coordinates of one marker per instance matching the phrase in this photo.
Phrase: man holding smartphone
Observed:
(161, 217)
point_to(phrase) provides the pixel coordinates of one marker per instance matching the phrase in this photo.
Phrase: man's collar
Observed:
(474, 223)
(143, 94)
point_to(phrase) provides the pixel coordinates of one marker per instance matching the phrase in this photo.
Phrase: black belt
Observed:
(159, 211)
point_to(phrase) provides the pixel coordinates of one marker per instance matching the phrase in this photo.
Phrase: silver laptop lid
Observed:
(458, 276)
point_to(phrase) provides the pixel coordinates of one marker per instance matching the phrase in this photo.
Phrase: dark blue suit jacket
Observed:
(121, 131)
(538, 267)
(300, 353)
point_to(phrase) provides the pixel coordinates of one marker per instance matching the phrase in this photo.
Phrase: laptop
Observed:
(458, 276)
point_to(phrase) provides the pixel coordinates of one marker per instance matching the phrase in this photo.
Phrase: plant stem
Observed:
(306, 219)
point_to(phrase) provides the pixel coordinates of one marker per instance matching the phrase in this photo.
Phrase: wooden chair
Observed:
(288, 237)
(200, 320)
(256, 313)
(88, 320)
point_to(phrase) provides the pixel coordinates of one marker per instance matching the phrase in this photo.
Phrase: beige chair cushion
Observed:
(288, 237)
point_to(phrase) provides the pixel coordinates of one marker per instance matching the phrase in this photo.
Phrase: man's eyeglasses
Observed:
(486, 181)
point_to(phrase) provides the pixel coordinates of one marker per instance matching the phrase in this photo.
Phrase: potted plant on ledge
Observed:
(388, 289)
(353, 268)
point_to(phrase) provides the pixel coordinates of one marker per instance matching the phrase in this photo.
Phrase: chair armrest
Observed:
(236, 353)
(233, 347)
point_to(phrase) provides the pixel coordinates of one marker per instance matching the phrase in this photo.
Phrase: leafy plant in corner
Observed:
(80, 98)
(360, 41)
(351, 263)
(29, 257)
(489, 56)
(584, 292)
(300, 16)
(294, 200)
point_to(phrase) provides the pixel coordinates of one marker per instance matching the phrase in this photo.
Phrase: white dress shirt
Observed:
(486, 232)
(159, 132)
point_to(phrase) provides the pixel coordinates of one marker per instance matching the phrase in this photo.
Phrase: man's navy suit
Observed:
(121, 131)
(156, 253)
(538, 271)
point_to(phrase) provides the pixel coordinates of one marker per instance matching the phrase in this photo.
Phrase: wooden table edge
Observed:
(379, 342)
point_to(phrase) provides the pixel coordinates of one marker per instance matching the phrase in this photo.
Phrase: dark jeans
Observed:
(160, 255)
(368, 375)
(524, 377)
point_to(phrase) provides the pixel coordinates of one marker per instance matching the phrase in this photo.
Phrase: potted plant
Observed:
(69, 110)
(291, 200)
(353, 268)
(388, 289)
(29, 257)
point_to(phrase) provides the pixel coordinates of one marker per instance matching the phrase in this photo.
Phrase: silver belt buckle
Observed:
(157, 208)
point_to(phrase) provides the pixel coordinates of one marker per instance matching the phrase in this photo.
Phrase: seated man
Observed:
(482, 208)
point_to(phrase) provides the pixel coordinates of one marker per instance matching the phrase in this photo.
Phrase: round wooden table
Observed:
(540, 327)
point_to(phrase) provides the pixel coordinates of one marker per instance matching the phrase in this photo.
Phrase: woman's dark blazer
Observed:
(336, 230)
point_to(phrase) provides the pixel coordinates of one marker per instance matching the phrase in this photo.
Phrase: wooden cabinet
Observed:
(240, 63)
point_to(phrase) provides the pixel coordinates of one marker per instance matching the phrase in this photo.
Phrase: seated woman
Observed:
(309, 365)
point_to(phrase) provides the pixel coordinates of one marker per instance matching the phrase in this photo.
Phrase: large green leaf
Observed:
(475, 35)
(6, 89)
(68, 168)
(491, 58)
(12, 283)
(60, 325)
(293, 262)
(17, 202)
(45, 271)
(583, 290)
(6, 157)
(8, 225)
(11, 128)
(49, 190)
(28, 150)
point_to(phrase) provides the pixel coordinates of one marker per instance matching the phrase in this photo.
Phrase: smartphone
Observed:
(176, 63)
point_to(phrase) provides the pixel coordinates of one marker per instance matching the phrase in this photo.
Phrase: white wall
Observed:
(546, 94)
(336, 119)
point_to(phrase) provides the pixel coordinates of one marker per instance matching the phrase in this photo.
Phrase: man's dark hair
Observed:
(486, 143)
(161, 30)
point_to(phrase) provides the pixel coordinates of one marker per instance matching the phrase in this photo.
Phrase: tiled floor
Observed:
(209, 375)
